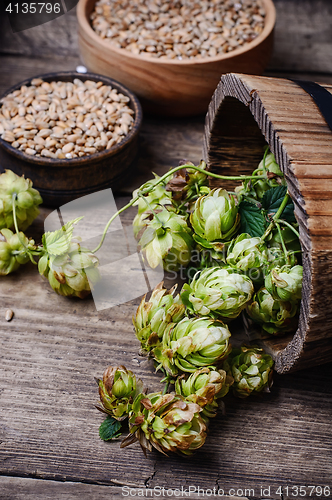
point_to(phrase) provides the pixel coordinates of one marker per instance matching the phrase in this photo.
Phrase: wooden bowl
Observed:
(245, 113)
(63, 180)
(171, 87)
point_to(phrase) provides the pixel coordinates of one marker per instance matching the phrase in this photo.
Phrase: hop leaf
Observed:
(58, 242)
(272, 200)
(109, 429)
(252, 219)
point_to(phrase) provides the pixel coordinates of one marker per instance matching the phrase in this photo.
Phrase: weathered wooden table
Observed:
(54, 347)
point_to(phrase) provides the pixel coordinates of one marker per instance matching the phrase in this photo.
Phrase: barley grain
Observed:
(64, 120)
(163, 29)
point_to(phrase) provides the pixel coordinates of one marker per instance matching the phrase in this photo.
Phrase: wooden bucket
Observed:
(245, 113)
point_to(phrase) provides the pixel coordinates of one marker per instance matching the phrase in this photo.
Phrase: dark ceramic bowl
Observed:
(63, 180)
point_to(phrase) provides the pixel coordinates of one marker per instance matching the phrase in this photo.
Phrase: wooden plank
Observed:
(15, 69)
(14, 488)
(302, 36)
(55, 37)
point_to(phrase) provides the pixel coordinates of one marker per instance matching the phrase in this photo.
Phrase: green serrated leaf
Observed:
(58, 242)
(272, 199)
(252, 219)
(109, 429)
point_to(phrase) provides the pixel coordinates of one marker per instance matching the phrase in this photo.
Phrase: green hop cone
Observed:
(277, 258)
(192, 344)
(154, 315)
(27, 201)
(256, 188)
(118, 390)
(152, 199)
(275, 316)
(157, 194)
(204, 387)
(219, 292)
(248, 255)
(215, 219)
(167, 423)
(285, 283)
(251, 370)
(12, 252)
(167, 239)
(70, 268)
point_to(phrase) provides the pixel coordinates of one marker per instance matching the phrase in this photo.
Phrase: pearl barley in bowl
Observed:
(173, 53)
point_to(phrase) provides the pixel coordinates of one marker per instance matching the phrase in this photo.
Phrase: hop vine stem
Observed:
(281, 221)
(162, 179)
(276, 216)
(282, 242)
(28, 251)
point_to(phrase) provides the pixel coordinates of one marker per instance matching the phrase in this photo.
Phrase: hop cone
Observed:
(167, 423)
(118, 390)
(219, 291)
(248, 255)
(27, 201)
(290, 239)
(215, 219)
(256, 188)
(285, 283)
(192, 344)
(167, 238)
(277, 258)
(251, 370)
(275, 316)
(204, 387)
(69, 267)
(152, 199)
(12, 252)
(153, 316)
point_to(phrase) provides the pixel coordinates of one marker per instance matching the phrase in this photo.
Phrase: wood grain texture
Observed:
(52, 350)
(55, 38)
(303, 36)
(36, 489)
(244, 113)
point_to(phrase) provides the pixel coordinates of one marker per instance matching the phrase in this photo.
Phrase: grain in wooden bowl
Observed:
(245, 113)
(71, 135)
(172, 54)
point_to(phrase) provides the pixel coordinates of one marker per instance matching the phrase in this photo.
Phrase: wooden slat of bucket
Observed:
(246, 112)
